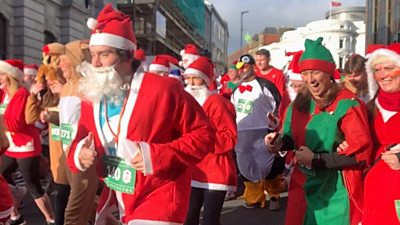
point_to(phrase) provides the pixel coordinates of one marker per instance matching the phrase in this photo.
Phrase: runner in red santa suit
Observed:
(6, 203)
(143, 132)
(216, 174)
(24, 148)
(382, 183)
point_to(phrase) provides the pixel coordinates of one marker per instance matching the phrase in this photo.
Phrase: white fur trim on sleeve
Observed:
(6, 213)
(148, 165)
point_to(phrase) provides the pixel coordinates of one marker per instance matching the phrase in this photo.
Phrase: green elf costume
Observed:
(331, 191)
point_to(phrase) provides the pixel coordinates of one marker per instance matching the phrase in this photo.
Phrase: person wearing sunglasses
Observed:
(254, 99)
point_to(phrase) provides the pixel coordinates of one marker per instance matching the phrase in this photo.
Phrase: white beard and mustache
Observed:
(99, 82)
(200, 93)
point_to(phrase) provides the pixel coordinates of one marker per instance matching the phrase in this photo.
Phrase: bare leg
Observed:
(44, 205)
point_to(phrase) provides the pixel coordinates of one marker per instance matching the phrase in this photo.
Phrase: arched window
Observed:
(3, 36)
(49, 37)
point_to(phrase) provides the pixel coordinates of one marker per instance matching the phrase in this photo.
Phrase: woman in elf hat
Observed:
(329, 188)
(24, 143)
(382, 183)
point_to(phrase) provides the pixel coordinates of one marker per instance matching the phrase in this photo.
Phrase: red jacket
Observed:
(277, 77)
(24, 138)
(382, 184)
(217, 171)
(174, 135)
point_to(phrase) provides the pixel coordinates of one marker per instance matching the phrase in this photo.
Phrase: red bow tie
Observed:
(243, 88)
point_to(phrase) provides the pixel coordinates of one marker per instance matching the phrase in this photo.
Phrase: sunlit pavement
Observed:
(233, 213)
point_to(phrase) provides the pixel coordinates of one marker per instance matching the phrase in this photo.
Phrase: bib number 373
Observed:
(119, 175)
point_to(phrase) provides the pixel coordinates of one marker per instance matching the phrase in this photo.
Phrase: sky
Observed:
(271, 13)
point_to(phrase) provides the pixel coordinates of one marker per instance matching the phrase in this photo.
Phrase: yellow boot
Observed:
(254, 194)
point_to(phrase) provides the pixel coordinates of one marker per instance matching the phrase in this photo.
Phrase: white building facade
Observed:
(219, 39)
(28, 25)
(343, 35)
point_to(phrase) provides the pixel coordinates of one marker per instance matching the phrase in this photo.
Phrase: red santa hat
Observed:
(392, 52)
(140, 55)
(13, 67)
(337, 76)
(30, 69)
(162, 63)
(371, 48)
(293, 69)
(112, 28)
(190, 52)
(202, 68)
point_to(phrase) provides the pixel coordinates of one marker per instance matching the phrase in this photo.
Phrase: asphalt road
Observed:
(233, 213)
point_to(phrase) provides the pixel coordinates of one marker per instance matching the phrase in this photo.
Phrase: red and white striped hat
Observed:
(13, 67)
(202, 68)
(112, 28)
(30, 69)
(162, 63)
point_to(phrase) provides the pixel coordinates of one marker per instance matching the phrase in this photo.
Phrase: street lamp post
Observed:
(241, 28)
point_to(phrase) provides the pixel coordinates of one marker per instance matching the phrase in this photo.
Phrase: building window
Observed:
(49, 37)
(140, 26)
(340, 61)
(341, 43)
(3, 36)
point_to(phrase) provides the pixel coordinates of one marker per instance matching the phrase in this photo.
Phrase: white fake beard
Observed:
(98, 83)
(200, 93)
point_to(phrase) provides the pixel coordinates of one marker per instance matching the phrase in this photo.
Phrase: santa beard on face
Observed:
(200, 93)
(100, 82)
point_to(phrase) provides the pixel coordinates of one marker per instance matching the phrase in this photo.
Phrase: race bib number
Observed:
(55, 132)
(120, 176)
(397, 205)
(245, 106)
(3, 108)
(67, 132)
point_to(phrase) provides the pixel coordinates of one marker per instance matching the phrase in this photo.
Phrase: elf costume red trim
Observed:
(328, 196)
